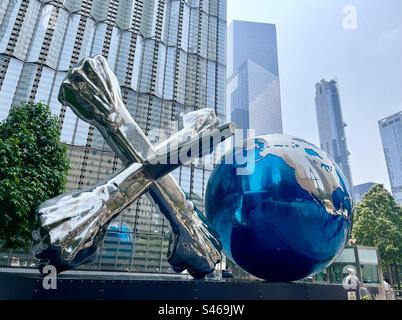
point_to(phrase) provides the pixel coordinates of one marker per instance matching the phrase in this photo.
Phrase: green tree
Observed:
(33, 169)
(378, 223)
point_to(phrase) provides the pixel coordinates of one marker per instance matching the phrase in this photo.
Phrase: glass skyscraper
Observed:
(169, 57)
(360, 191)
(391, 135)
(253, 89)
(331, 126)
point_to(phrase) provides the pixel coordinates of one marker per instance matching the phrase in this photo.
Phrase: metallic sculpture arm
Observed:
(92, 91)
(74, 221)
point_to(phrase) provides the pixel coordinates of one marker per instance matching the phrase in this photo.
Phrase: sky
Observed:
(366, 59)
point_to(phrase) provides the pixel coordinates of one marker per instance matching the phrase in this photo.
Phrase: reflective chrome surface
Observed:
(289, 217)
(73, 225)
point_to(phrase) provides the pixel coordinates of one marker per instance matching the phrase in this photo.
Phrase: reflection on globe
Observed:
(285, 213)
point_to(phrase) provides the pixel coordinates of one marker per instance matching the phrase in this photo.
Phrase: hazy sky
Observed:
(367, 62)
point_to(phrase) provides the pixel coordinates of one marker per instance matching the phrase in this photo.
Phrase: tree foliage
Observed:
(378, 223)
(33, 168)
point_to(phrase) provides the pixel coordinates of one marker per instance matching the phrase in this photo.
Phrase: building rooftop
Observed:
(396, 115)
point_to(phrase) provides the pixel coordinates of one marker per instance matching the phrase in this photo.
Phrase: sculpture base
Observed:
(27, 284)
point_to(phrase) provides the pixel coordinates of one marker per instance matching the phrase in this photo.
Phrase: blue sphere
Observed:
(281, 207)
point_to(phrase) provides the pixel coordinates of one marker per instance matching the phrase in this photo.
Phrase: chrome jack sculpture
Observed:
(73, 225)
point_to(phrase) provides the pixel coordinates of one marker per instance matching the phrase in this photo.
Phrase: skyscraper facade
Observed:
(331, 126)
(391, 135)
(169, 57)
(359, 191)
(253, 88)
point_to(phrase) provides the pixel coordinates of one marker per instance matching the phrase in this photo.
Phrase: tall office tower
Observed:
(253, 90)
(360, 190)
(169, 57)
(331, 126)
(391, 135)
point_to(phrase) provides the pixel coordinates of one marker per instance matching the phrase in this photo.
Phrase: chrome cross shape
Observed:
(74, 224)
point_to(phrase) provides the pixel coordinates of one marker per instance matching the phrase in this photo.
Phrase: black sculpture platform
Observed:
(27, 284)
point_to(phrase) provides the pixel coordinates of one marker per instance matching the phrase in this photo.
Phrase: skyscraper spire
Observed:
(331, 126)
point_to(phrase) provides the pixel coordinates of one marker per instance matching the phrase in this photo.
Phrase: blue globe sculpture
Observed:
(281, 208)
